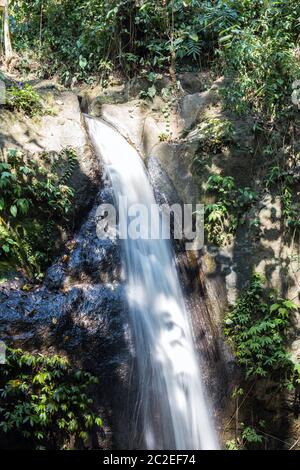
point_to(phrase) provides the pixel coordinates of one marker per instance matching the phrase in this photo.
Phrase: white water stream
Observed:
(173, 407)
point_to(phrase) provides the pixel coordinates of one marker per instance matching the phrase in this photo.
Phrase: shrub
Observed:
(285, 178)
(256, 326)
(34, 198)
(264, 68)
(227, 212)
(216, 134)
(84, 37)
(259, 51)
(44, 402)
(24, 98)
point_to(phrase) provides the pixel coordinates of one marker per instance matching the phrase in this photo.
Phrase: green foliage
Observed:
(34, 197)
(251, 436)
(254, 42)
(215, 134)
(256, 326)
(24, 98)
(286, 181)
(44, 402)
(224, 215)
(220, 222)
(87, 37)
(248, 437)
(232, 445)
(267, 67)
(81, 38)
(227, 211)
(260, 52)
(295, 379)
(151, 91)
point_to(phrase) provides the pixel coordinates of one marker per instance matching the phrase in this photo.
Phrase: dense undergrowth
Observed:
(45, 403)
(256, 42)
(21, 97)
(257, 327)
(35, 199)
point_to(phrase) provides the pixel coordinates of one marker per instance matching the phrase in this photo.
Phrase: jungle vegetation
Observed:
(255, 45)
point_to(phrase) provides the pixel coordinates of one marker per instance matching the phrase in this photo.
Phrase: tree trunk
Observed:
(7, 41)
(173, 52)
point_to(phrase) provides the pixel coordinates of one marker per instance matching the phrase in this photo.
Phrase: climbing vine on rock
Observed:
(286, 179)
(257, 329)
(256, 326)
(228, 210)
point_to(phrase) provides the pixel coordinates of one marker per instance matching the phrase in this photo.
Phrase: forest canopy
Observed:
(82, 39)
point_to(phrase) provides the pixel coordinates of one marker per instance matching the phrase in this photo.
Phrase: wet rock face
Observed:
(88, 259)
(80, 312)
(163, 187)
(87, 324)
(84, 323)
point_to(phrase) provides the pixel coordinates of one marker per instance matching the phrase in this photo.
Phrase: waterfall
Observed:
(173, 406)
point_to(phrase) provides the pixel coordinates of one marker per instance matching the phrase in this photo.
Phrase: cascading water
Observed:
(172, 405)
